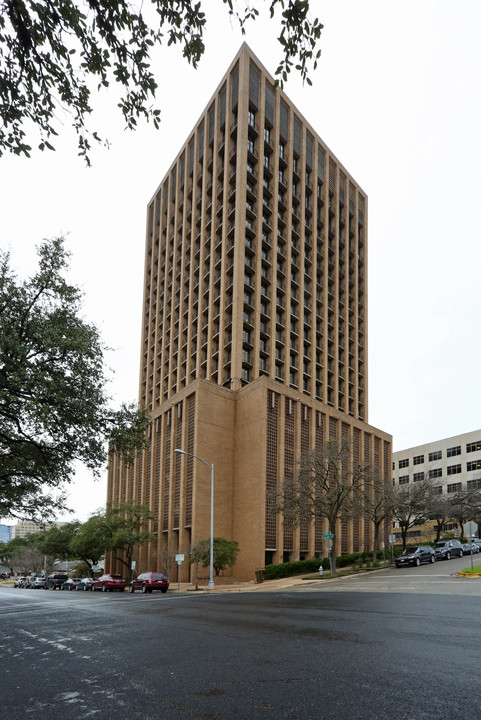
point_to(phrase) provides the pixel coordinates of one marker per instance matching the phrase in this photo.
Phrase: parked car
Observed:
(37, 582)
(26, 581)
(18, 581)
(4, 576)
(470, 547)
(56, 580)
(109, 582)
(446, 549)
(150, 581)
(85, 584)
(416, 556)
(70, 584)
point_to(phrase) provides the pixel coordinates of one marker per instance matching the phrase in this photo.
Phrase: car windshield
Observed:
(157, 576)
(440, 544)
(410, 551)
(117, 577)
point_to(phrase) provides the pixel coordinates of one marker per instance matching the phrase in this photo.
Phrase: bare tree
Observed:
(324, 487)
(376, 501)
(465, 505)
(411, 505)
(165, 554)
(440, 510)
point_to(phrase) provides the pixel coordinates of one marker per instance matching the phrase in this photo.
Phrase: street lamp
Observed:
(211, 585)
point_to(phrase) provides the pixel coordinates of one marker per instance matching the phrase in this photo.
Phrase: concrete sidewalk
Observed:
(252, 586)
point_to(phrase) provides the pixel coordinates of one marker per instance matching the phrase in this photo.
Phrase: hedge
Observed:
(299, 567)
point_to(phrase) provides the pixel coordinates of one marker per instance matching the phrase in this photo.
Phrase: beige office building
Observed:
(254, 344)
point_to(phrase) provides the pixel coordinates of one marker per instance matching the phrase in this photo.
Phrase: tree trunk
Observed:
(375, 544)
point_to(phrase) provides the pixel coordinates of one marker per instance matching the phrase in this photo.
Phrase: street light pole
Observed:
(211, 585)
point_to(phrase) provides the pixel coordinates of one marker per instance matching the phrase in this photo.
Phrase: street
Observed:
(393, 644)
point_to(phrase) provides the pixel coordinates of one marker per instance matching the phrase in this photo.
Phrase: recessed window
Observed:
(438, 490)
(404, 463)
(473, 446)
(454, 469)
(418, 476)
(454, 487)
(453, 451)
(436, 455)
(473, 465)
(437, 473)
(418, 460)
(403, 479)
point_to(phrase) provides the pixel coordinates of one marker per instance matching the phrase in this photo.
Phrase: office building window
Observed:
(404, 463)
(453, 451)
(454, 487)
(454, 469)
(437, 473)
(473, 465)
(438, 490)
(436, 455)
(473, 446)
(403, 479)
(418, 476)
(418, 460)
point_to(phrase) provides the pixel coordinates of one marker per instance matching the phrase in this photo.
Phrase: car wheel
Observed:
(131, 589)
(104, 588)
(163, 590)
(448, 556)
(417, 562)
(86, 587)
(144, 588)
(461, 553)
(432, 559)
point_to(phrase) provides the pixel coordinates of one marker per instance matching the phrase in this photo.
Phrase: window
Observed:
(473, 446)
(418, 460)
(473, 465)
(403, 479)
(473, 484)
(436, 455)
(418, 476)
(453, 451)
(250, 145)
(251, 117)
(282, 150)
(404, 463)
(454, 487)
(438, 490)
(435, 473)
(454, 469)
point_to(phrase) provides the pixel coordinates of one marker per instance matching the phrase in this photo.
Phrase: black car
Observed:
(416, 556)
(446, 549)
(55, 580)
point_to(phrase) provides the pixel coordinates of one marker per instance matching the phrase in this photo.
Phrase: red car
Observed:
(149, 581)
(109, 582)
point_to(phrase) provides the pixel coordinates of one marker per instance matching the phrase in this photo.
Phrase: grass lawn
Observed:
(476, 569)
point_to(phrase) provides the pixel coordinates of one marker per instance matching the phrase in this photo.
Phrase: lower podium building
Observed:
(254, 345)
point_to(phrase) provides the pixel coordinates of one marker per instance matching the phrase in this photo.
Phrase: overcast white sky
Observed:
(397, 98)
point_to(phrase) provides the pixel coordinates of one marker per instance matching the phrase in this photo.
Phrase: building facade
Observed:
(254, 345)
(27, 527)
(5, 533)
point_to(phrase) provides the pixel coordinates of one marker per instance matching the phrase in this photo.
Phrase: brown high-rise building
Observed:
(254, 341)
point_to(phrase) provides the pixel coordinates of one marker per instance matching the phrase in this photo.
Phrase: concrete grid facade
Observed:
(452, 464)
(254, 344)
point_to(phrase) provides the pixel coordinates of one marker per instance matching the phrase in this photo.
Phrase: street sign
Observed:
(470, 529)
(133, 564)
(328, 544)
(392, 539)
(179, 559)
(327, 534)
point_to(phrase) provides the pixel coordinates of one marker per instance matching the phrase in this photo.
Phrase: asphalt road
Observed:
(401, 644)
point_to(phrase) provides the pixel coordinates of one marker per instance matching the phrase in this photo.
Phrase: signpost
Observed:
(179, 559)
(470, 529)
(392, 540)
(328, 538)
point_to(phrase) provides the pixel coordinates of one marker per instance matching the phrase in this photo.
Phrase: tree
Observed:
(10, 552)
(324, 487)
(224, 555)
(375, 502)
(53, 55)
(440, 510)
(411, 505)
(54, 410)
(126, 527)
(199, 552)
(465, 505)
(90, 542)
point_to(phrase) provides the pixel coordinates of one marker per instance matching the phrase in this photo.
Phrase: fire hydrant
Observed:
(320, 570)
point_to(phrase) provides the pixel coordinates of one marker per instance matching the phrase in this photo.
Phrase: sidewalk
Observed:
(252, 586)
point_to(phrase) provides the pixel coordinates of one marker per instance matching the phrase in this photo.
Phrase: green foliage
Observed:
(124, 528)
(54, 410)
(303, 567)
(224, 553)
(54, 55)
